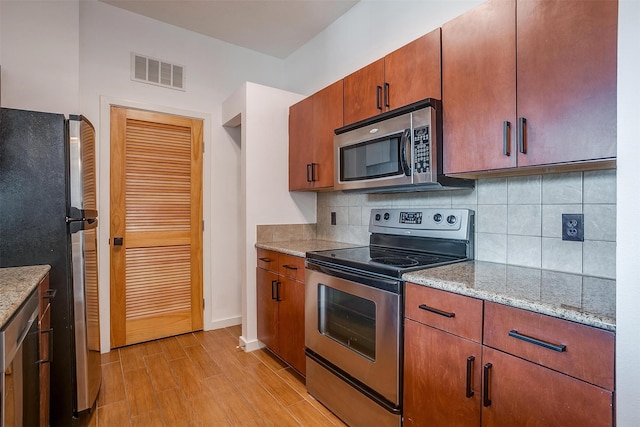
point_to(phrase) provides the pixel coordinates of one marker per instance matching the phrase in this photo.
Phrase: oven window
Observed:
(347, 319)
(371, 159)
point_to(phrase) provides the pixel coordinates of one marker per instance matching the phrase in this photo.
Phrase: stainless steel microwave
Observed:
(400, 150)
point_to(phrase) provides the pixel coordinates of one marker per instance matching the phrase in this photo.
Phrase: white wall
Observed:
(39, 55)
(262, 114)
(214, 69)
(628, 268)
(67, 55)
(367, 32)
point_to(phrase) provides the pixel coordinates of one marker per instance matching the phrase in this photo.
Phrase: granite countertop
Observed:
(16, 284)
(301, 247)
(583, 299)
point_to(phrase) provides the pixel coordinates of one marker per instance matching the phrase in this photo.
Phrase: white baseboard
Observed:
(223, 323)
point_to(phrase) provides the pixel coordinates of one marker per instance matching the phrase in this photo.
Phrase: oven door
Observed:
(355, 326)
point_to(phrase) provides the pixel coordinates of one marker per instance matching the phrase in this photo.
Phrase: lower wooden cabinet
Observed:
(527, 369)
(517, 392)
(441, 378)
(280, 306)
(45, 339)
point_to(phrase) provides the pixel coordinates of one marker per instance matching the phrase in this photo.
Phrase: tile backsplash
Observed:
(518, 219)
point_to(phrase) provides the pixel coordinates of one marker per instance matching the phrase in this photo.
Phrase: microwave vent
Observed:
(157, 72)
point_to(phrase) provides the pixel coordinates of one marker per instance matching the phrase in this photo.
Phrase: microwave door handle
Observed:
(406, 138)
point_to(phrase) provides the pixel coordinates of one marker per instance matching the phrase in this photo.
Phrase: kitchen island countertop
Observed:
(16, 284)
(579, 298)
(301, 247)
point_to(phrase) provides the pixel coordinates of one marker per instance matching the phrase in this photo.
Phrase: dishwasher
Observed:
(20, 385)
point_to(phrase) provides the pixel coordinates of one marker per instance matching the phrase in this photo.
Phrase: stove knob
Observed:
(437, 217)
(451, 219)
(387, 216)
(377, 217)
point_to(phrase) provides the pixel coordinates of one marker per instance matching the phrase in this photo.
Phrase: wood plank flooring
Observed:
(203, 379)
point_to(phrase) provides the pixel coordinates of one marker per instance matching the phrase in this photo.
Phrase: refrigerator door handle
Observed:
(76, 225)
(76, 214)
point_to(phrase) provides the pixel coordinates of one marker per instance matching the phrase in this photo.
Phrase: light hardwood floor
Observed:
(203, 379)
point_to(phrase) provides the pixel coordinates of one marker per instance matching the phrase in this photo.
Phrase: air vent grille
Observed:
(157, 72)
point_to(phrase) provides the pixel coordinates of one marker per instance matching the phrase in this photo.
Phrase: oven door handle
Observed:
(390, 285)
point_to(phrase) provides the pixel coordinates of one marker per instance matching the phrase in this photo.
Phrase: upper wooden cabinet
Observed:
(528, 84)
(311, 125)
(407, 75)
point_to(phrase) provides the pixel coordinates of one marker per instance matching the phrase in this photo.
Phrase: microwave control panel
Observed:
(421, 150)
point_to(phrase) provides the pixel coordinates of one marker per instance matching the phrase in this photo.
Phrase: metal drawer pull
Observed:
(50, 294)
(290, 267)
(486, 400)
(378, 96)
(470, 361)
(436, 311)
(555, 347)
(273, 289)
(265, 259)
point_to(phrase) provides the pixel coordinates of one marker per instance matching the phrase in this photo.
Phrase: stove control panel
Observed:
(425, 222)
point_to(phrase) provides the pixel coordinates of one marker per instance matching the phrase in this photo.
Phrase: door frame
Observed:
(104, 206)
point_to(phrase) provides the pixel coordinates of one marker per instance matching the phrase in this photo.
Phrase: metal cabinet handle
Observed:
(486, 400)
(378, 96)
(522, 128)
(506, 132)
(555, 347)
(290, 267)
(470, 361)
(118, 241)
(50, 353)
(436, 311)
(313, 172)
(386, 95)
(265, 259)
(278, 283)
(273, 289)
(309, 172)
(50, 294)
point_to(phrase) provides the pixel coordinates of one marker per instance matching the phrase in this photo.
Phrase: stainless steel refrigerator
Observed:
(48, 215)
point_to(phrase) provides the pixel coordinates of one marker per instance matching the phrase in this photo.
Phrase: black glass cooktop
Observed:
(381, 260)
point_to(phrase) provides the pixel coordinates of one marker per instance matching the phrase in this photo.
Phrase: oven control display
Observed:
(410, 217)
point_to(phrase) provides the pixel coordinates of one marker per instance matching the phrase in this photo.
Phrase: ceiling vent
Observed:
(157, 72)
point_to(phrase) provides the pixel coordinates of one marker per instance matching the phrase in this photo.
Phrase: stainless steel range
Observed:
(354, 308)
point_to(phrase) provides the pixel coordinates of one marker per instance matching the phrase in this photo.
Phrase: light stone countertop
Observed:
(16, 284)
(301, 247)
(583, 299)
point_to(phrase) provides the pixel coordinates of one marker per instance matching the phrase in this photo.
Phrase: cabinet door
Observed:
(267, 308)
(413, 72)
(435, 378)
(567, 79)
(45, 332)
(479, 88)
(300, 144)
(327, 116)
(523, 393)
(291, 323)
(363, 97)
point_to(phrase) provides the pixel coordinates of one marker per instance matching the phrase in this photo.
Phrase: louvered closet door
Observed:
(156, 208)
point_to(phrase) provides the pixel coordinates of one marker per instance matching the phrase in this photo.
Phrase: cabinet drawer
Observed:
(268, 260)
(457, 314)
(578, 350)
(291, 266)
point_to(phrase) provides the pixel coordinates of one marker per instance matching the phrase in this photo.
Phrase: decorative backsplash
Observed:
(518, 219)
